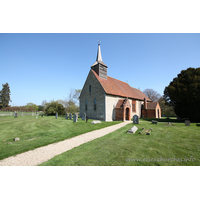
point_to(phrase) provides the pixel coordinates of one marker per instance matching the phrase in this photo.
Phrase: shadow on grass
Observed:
(163, 119)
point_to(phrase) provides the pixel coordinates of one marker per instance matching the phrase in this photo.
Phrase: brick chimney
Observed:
(145, 103)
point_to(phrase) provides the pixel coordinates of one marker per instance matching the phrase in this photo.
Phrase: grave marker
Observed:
(75, 118)
(66, 116)
(135, 119)
(83, 116)
(70, 116)
(187, 122)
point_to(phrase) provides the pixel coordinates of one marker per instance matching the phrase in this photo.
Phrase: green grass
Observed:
(120, 149)
(34, 133)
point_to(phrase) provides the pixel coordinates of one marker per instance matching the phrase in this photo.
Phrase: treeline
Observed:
(19, 108)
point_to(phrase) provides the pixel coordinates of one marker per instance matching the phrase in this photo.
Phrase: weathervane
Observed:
(99, 41)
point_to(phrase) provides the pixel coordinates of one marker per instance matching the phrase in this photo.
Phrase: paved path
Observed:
(42, 154)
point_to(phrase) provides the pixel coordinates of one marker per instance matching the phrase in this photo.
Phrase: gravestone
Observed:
(87, 118)
(16, 139)
(83, 116)
(154, 122)
(15, 114)
(70, 116)
(96, 122)
(187, 122)
(56, 115)
(132, 130)
(66, 116)
(135, 119)
(75, 118)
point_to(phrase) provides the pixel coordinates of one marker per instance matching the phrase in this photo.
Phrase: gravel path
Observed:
(42, 154)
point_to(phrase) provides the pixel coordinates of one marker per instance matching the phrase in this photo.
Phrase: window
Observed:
(86, 104)
(94, 103)
(89, 88)
(133, 106)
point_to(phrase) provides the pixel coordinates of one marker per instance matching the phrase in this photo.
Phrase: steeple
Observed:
(99, 57)
(99, 66)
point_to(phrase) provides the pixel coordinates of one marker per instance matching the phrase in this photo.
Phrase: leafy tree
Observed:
(183, 93)
(5, 96)
(152, 94)
(54, 107)
(31, 107)
(71, 107)
(166, 109)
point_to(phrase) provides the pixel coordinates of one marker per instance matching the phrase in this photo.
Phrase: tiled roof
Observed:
(119, 88)
(119, 103)
(152, 106)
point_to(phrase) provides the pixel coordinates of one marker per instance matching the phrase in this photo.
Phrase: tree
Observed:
(152, 94)
(5, 96)
(71, 107)
(183, 93)
(54, 107)
(31, 107)
(166, 109)
(74, 96)
(44, 103)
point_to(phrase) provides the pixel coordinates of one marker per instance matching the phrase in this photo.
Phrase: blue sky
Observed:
(45, 66)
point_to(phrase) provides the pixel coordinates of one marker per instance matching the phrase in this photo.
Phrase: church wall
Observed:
(111, 112)
(96, 92)
(111, 102)
(138, 108)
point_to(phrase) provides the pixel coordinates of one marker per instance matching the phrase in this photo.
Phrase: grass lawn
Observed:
(34, 133)
(118, 148)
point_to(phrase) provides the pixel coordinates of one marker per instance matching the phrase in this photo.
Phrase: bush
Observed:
(54, 107)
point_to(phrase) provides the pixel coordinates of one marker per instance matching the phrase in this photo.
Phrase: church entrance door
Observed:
(127, 113)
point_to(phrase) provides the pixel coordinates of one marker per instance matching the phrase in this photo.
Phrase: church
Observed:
(109, 99)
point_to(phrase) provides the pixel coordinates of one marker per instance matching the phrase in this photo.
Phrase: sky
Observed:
(46, 66)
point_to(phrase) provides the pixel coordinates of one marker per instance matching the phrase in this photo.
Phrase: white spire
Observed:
(99, 57)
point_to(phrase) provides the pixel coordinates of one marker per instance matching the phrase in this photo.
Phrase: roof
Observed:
(119, 88)
(152, 105)
(119, 103)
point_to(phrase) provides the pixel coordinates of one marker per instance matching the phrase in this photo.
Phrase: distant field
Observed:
(168, 145)
(34, 133)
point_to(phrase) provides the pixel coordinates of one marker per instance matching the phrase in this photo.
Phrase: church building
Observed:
(108, 99)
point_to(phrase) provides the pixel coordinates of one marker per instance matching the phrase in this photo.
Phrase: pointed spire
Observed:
(99, 57)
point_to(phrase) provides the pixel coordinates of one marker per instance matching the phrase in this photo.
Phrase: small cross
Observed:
(99, 41)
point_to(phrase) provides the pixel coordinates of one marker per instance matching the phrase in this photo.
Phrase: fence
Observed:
(3, 113)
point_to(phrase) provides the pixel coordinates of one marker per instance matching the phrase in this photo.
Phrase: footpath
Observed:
(42, 154)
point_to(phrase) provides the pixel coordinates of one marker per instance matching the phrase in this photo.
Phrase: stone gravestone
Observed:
(96, 122)
(56, 115)
(75, 118)
(66, 116)
(15, 114)
(70, 116)
(83, 116)
(132, 130)
(187, 122)
(135, 119)
(154, 122)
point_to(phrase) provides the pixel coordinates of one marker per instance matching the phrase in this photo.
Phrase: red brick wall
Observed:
(119, 114)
